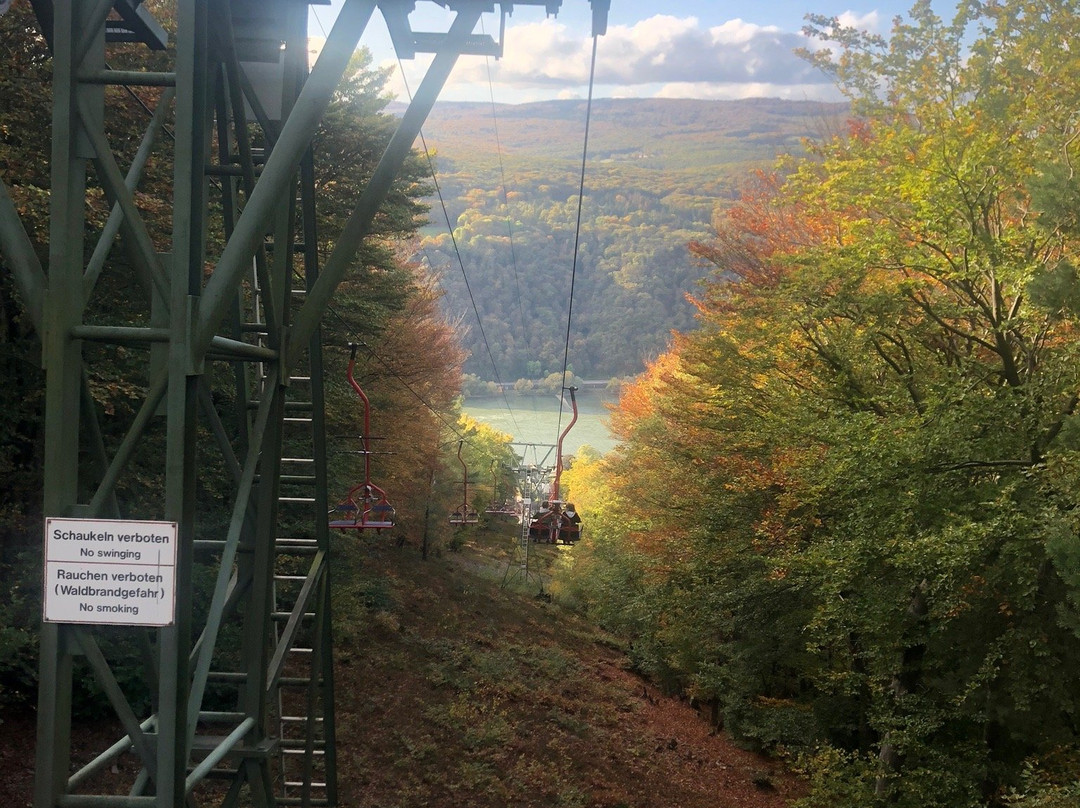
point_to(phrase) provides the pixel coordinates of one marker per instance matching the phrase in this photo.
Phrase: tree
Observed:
(867, 448)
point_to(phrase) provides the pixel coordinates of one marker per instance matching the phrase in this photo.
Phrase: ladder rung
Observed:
(297, 500)
(287, 615)
(227, 676)
(289, 750)
(299, 550)
(301, 784)
(296, 719)
(294, 681)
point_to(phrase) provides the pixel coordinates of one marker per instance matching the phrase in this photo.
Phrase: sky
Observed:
(709, 49)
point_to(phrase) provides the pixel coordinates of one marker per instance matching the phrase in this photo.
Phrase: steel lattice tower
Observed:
(235, 298)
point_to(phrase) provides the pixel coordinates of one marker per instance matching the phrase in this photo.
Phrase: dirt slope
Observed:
(460, 692)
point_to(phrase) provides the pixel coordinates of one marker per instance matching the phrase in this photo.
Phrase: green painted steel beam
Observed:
(93, 23)
(284, 159)
(19, 254)
(106, 758)
(288, 635)
(219, 753)
(120, 334)
(106, 801)
(237, 522)
(104, 675)
(359, 222)
(129, 78)
(107, 485)
(148, 261)
(181, 394)
(96, 263)
(62, 358)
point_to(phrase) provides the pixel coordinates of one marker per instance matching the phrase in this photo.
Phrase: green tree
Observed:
(867, 449)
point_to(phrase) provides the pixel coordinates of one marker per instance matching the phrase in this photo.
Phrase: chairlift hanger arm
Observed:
(562, 437)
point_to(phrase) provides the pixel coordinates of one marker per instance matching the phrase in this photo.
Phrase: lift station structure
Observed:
(234, 299)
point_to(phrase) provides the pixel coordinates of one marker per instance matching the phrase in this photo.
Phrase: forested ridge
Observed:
(655, 170)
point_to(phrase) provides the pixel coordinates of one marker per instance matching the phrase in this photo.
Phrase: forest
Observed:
(504, 245)
(842, 517)
(844, 507)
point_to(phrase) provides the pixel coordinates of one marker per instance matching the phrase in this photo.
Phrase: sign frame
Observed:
(114, 572)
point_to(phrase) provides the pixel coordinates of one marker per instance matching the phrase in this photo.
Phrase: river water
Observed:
(535, 419)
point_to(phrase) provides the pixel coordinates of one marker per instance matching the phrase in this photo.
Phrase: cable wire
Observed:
(461, 262)
(577, 228)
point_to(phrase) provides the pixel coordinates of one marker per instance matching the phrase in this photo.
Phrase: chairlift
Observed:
(464, 514)
(544, 524)
(366, 506)
(505, 509)
(557, 521)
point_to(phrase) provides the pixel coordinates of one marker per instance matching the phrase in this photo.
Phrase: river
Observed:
(535, 419)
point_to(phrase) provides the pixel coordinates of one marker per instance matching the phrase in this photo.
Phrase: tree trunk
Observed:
(903, 682)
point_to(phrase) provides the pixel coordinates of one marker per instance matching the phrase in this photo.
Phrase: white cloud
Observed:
(663, 50)
(871, 22)
(863, 22)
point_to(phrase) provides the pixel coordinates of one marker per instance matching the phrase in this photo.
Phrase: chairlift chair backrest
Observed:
(366, 507)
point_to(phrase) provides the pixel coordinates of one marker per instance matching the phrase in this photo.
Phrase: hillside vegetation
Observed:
(655, 173)
(845, 506)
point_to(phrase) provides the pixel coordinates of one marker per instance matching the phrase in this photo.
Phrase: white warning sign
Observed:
(110, 571)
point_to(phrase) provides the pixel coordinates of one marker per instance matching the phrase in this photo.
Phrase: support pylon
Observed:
(230, 355)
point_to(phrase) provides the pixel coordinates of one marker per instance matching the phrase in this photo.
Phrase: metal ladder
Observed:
(301, 669)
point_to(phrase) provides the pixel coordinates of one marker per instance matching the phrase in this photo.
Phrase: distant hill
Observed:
(657, 169)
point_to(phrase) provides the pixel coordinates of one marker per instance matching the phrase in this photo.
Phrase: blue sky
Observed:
(677, 49)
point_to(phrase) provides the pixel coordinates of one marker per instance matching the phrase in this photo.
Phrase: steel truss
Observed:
(228, 328)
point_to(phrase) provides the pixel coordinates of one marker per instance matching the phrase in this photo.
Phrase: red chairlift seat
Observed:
(554, 526)
(366, 507)
(570, 525)
(464, 515)
(545, 523)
